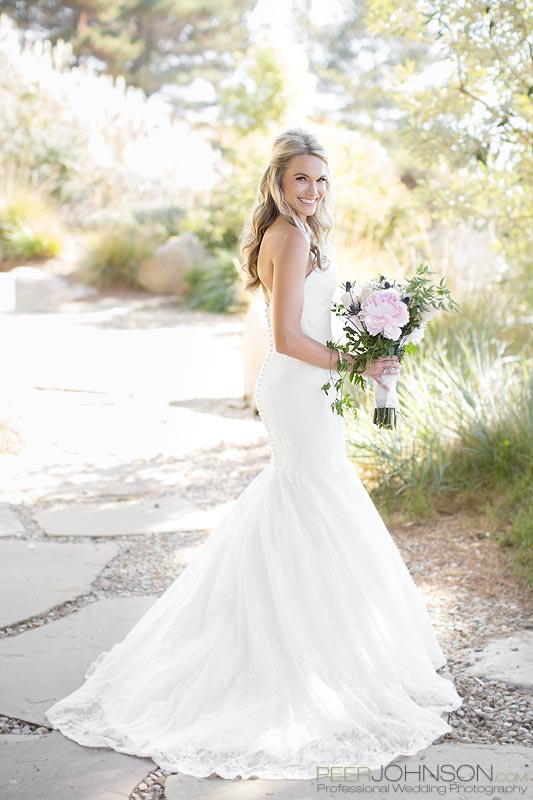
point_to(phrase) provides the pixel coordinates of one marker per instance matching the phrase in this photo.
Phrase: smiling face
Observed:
(304, 183)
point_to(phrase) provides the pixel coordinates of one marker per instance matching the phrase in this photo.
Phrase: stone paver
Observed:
(52, 767)
(507, 766)
(9, 524)
(36, 576)
(93, 432)
(508, 659)
(47, 663)
(90, 430)
(166, 514)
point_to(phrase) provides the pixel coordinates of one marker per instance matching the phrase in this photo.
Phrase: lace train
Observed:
(295, 637)
(291, 640)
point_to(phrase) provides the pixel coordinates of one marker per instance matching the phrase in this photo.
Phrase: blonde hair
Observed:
(270, 203)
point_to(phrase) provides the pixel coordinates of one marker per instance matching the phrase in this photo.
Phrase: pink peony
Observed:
(384, 312)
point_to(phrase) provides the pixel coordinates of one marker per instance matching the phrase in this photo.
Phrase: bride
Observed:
(295, 638)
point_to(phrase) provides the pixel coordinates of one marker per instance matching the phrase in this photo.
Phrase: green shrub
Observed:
(213, 285)
(467, 427)
(28, 226)
(24, 240)
(115, 252)
(522, 532)
(167, 218)
(215, 225)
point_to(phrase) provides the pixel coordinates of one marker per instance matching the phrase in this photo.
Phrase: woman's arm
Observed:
(290, 258)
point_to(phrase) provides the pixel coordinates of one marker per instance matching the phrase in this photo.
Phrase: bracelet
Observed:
(340, 362)
(332, 350)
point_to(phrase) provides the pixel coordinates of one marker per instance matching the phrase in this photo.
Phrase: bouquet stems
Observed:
(385, 418)
(386, 402)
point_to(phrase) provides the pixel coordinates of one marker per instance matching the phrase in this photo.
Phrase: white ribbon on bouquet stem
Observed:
(386, 398)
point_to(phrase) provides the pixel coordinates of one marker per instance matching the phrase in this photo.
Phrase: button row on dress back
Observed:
(258, 392)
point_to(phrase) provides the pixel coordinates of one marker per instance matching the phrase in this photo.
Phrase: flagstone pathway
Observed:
(132, 441)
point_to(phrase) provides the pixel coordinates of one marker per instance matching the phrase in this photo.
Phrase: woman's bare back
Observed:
(265, 267)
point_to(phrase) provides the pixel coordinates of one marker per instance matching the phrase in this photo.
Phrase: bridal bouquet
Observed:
(384, 318)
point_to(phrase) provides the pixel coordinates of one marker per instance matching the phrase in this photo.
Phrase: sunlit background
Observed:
(132, 139)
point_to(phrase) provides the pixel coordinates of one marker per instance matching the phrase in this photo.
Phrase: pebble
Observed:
(14, 726)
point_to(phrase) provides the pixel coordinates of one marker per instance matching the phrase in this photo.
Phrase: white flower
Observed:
(366, 290)
(428, 313)
(416, 335)
(348, 298)
(355, 323)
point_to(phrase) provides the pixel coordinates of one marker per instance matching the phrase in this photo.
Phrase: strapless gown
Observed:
(295, 637)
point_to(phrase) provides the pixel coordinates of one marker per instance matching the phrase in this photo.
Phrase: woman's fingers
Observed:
(388, 359)
(392, 370)
(381, 366)
(389, 364)
(383, 385)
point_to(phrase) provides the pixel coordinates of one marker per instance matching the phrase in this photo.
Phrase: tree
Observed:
(470, 120)
(257, 94)
(447, 85)
(352, 59)
(150, 42)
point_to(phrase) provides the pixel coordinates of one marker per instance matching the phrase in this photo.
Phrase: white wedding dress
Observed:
(295, 637)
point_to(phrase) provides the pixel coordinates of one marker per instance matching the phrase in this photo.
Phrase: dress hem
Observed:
(178, 767)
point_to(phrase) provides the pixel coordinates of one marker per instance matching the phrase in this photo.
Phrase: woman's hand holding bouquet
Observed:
(383, 320)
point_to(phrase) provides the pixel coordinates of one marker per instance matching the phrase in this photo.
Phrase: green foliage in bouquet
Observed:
(421, 296)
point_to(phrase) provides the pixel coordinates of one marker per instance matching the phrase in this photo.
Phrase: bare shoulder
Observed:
(286, 239)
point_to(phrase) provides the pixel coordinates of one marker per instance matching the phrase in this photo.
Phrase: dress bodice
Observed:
(305, 435)
(319, 287)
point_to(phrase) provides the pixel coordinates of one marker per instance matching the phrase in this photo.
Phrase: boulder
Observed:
(7, 292)
(30, 289)
(254, 346)
(164, 272)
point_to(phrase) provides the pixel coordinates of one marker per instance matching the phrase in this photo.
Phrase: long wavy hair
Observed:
(270, 203)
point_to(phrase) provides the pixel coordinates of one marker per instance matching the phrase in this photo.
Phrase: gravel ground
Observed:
(469, 586)
(466, 609)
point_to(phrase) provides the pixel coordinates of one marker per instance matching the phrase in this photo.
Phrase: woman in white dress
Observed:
(295, 637)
